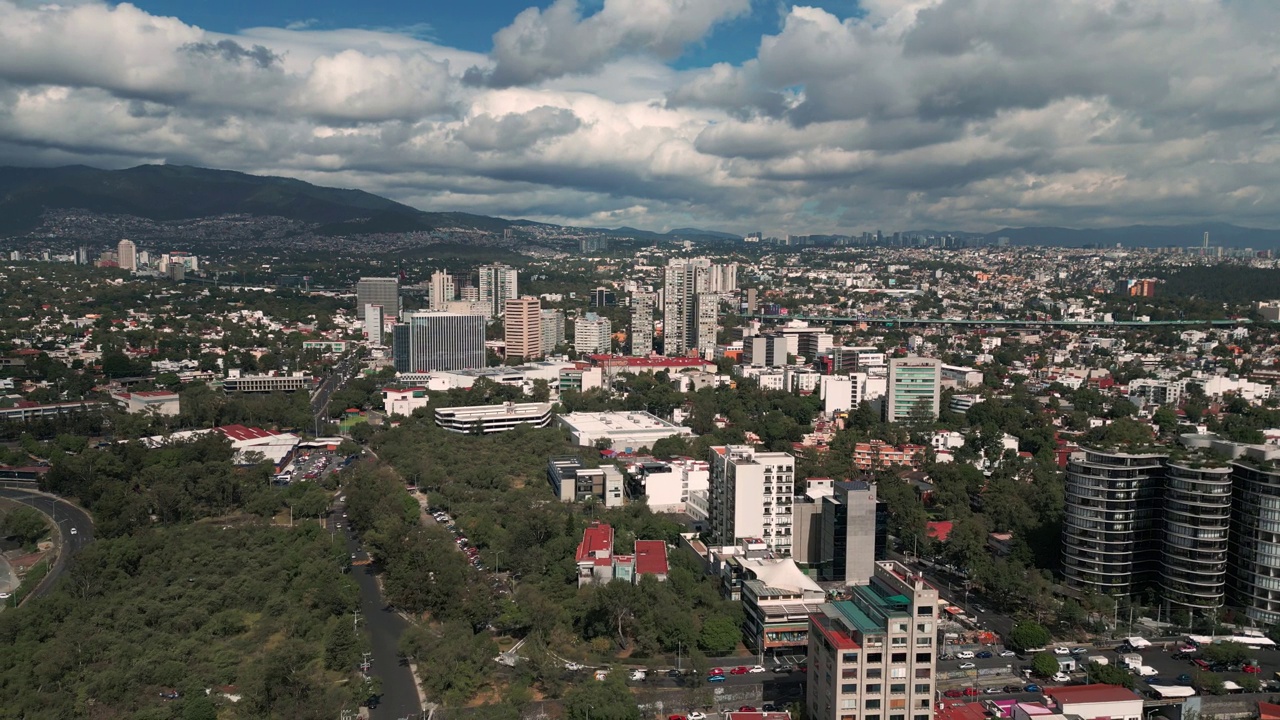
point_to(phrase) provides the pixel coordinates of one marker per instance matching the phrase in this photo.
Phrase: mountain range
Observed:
(174, 192)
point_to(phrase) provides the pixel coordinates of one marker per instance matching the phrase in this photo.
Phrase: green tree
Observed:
(1207, 682)
(720, 635)
(1111, 675)
(608, 700)
(1027, 635)
(1232, 653)
(1044, 664)
(341, 645)
(24, 524)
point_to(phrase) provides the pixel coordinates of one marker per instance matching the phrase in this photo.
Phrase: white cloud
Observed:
(940, 113)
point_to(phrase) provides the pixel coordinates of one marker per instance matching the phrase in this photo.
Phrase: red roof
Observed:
(596, 538)
(961, 711)
(939, 529)
(1096, 693)
(1268, 711)
(240, 432)
(651, 557)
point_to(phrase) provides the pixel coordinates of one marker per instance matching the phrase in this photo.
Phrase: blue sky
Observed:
(461, 24)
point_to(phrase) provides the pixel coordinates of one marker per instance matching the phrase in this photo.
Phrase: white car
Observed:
(1061, 651)
(572, 666)
(1007, 653)
(73, 531)
(637, 675)
(964, 655)
(1061, 677)
(757, 669)
(697, 715)
(967, 666)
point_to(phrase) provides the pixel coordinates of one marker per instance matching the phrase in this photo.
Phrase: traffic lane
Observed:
(67, 517)
(399, 696)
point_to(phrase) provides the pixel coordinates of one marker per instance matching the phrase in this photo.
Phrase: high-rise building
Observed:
(752, 300)
(498, 284)
(915, 388)
(592, 334)
(603, 297)
(381, 291)
(723, 278)
(439, 341)
(707, 315)
(523, 328)
(442, 290)
(854, 532)
(643, 305)
(875, 654)
(683, 281)
(82, 255)
(750, 496)
(374, 327)
(127, 255)
(764, 351)
(552, 322)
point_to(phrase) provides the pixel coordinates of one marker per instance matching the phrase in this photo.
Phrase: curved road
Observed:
(65, 514)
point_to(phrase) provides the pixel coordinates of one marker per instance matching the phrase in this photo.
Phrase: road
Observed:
(399, 695)
(66, 515)
(331, 384)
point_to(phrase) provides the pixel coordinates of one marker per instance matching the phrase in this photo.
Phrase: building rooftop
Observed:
(597, 541)
(961, 711)
(482, 412)
(622, 421)
(651, 557)
(1096, 693)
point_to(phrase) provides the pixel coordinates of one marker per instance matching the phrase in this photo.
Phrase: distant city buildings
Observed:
(498, 284)
(592, 334)
(426, 341)
(691, 305)
(381, 291)
(127, 254)
(643, 306)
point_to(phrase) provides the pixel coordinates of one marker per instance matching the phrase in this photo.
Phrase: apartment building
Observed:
(872, 657)
(572, 481)
(643, 305)
(592, 334)
(751, 494)
(522, 328)
(498, 284)
(878, 454)
(915, 386)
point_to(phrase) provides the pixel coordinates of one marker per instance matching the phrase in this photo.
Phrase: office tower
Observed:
(381, 291)
(875, 654)
(373, 324)
(683, 281)
(764, 351)
(127, 255)
(401, 347)
(915, 388)
(497, 286)
(592, 334)
(750, 496)
(82, 256)
(603, 297)
(854, 532)
(643, 305)
(752, 300)
(144, 258)
(523, 328)
(442, 290)
(440, 341)
(552, 322)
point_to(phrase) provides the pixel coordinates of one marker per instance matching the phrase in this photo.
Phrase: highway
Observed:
(331, 384)
(65, 514)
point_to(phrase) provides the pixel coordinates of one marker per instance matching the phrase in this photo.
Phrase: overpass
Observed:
(1053, 324)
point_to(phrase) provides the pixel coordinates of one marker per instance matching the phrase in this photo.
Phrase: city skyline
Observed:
(730, 114)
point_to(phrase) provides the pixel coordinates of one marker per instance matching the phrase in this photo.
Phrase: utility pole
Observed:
(355, 623)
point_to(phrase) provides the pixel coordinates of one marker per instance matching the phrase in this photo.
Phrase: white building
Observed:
(751, 495)
(841, 392)
(592, 334)
(127, 255)
(668, 485)
(403, 401)
(628, 431)
(374, 329)
(552, 330)
(151, 402)
(1092, 702)
(498, 284)
(488, 419)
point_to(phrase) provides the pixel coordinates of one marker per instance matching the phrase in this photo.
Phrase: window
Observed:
(849, 704)
(897, 705)
(898, 658)
(925, 627)
(926, 641)
(898, 673)
(897, 717)
(924, 611)
(850, 657)
(874, 673)
(849, 688)
(925, 716)
(900, 627)
(924, 673)
(924, 657)
(873, 689)
(874, 658)
(900, 642)
(897, 688)
(873, 704)
(922, 688)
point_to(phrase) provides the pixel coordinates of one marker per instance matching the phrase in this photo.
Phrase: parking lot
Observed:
(309, 466)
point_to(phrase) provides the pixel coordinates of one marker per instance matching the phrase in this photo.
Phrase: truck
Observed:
(1099, 659)
(1147, 671)
(1131, 661)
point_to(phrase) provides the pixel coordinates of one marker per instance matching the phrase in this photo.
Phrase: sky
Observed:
(839, 116)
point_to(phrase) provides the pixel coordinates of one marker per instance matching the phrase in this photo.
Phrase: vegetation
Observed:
(24, 524)
(1111, 675)
(1028, 635)
(260, 608)
(1045, 664)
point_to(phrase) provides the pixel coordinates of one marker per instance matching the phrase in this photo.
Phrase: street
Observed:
(66, 515)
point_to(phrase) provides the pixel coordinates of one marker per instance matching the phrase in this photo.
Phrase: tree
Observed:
(1045, 664)
(720, 635)
(340, 645)
(1231, 653)
(24, 524)
(1207, 682)
(608, 700)
(1111, 675)
(1027, 635)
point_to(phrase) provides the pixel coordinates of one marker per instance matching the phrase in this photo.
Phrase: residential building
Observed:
(592, 334)
(751, 495)
(571, 481)
(488, 419)
(874, 655)
(706, 317)
(498, 284)
(403, 401)
(915, 389)
(777, 599)
(522, 328)
(668, 485)
(765, 351)
(151, 402)
(597, 563)
(752, 300)
(373, 324)
(439, 341)
(237, 382)
(381, 291)
(840, 392)
(683, 281)
(643, 305)
(877, 454)
(628, 431)
(552, 328)
(127, 255)
(443, 290)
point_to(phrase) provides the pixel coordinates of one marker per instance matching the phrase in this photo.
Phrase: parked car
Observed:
(740, 670)
(1079, 650)
(993, 690)
(697, 715)
(953, 693)
(967, 666)
(715, 678)
(1061, 677)
(1181, 656)
(639, 675)
(747, 708)
(757, 669)
(1013, 689)
(964, 655)
(716, 671)
(676, 717)
(1031, 688)
(768, 707)
(1061, 651)
(1007, 653)
(1252, 669)
(972, 692)
(783, 669)
(984, 655)
(1183, 679)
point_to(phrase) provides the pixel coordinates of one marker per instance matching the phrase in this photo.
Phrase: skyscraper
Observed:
(552, 330)
(381, 291)
(684, 320)
(523, 328)
(915, 386)
(706, 315)
(442, 290)
(127, 255)
(750, 495)
(592, 334)
(439, 341)
(374, 327)
(643, 305)
(498, 284)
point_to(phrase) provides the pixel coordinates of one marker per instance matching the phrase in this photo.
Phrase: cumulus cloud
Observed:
(966, 114)
(546, 44)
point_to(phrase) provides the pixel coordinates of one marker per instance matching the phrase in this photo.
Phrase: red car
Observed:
(716, 671)
(740, 670)
(1252, 669)
(953, 693)
(970, 692)
(746, 708)
(802, 668)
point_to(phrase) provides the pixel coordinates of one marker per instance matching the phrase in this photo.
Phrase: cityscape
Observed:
(639, 360)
